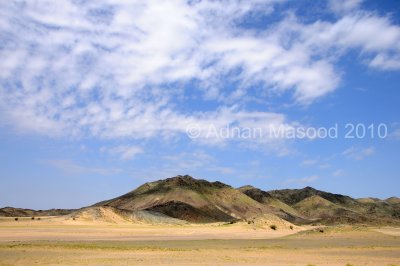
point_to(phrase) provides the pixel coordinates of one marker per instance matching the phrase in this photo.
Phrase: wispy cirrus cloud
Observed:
(343, 6)
(358, 153)
(124, 152)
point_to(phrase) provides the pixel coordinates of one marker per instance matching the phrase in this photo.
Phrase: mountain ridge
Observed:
(194, 200)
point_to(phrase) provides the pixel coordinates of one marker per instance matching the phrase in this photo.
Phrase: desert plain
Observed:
(58, 241)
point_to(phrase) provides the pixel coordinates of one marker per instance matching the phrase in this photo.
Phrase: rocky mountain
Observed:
(278, 207)
(293, 196)
(184, 199)
(190, 199)
(329, 208)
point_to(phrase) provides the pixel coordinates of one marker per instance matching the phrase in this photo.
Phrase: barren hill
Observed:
(278, 207)
(19, 212)
(190, 199)
(393, 200)
(186, 199)
(316, 207)
(293, 196)
(329, 208)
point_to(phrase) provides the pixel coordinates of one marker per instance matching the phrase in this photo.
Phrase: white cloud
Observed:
(343, 6)
(358, 154)
(376, 37)
(385, 62)
(125, 152)
(264, 60)
(108, 76)
(119, 69)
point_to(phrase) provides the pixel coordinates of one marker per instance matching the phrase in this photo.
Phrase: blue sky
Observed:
(97, 97)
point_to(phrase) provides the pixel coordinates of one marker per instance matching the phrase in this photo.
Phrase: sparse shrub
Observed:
(321, 230)
(32, 218)
(273, 227)
(291, 227)
(16, 218)
(73, 218)
(248, 222)
(38, 218)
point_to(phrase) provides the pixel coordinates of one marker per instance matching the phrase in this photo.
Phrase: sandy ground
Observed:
(47, 242)
(388, 231)
(51, 229)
